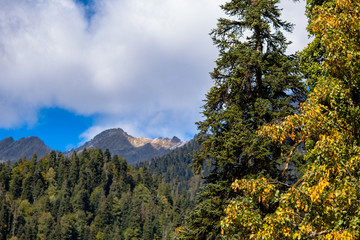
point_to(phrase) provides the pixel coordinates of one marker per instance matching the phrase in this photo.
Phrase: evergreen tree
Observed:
(65, 205)
(5, 175)
(45, 226)
(74, 169)
(4, 217)
(63, 169)
(38, 180)
(52, 159)
(27, 190)
(68, 231)
(16, 182)
(107, 155)
(255, 83)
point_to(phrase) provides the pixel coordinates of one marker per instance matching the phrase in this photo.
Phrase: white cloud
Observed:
(294, 12)
(156, 124)
(142, 64)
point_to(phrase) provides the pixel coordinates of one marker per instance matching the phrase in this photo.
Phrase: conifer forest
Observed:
(277, 154)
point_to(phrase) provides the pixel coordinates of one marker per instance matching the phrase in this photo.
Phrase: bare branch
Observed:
(290, 155)
(315, 234)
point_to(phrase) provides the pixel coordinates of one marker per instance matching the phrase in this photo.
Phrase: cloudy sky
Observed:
(70, 69)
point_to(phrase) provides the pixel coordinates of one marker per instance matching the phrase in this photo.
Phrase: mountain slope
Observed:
(175, 168)
(14, 150)
(133, 149)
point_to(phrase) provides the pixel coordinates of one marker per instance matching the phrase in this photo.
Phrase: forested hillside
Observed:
(176, 168)
(88, 196)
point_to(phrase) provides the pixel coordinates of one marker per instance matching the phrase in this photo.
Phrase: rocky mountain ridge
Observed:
(24, 147)
(133, 149)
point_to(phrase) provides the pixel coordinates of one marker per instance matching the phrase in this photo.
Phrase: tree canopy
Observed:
(325, 202)
(88, 196)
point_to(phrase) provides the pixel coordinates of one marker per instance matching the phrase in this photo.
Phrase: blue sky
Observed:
(56, 127)
(70, 70)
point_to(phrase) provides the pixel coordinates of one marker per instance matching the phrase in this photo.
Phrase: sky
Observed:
(70, 69)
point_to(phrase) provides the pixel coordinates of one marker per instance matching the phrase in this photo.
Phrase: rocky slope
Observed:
(133, 149)
(14, 150)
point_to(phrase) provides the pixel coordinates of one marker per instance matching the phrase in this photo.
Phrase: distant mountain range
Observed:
(133, 149)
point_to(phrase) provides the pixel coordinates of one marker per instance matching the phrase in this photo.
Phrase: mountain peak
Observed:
(14, 150)
(175, 139)
(111, 132)
(133, 149)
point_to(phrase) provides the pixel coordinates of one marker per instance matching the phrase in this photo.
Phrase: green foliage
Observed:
(324, 202)
(175, 168)
(255, 83)
(88, 196)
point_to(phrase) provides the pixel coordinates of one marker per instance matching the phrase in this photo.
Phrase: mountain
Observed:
(133, 149)
(14, 150)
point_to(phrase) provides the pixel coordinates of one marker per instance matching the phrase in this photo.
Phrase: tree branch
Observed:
(315, 234)
(290, 155)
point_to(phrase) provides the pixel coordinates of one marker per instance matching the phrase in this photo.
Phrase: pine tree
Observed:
(46, 224)
(4, 217)
(255, 83)
(74, 169)
(52, 159)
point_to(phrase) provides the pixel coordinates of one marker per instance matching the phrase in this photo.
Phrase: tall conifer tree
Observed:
(255, 83)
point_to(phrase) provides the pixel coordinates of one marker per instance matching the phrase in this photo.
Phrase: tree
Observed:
(107, 155)
(325, 201)
(5, 216)
(74, 169)
(45, 226)
(52, 159)
(68, 230)
(5, 175)
(255, 84)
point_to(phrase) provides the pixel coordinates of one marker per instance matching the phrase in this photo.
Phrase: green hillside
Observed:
(175, 168)
(88, 196)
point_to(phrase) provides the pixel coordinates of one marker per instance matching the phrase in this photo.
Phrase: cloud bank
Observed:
(140, 64)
